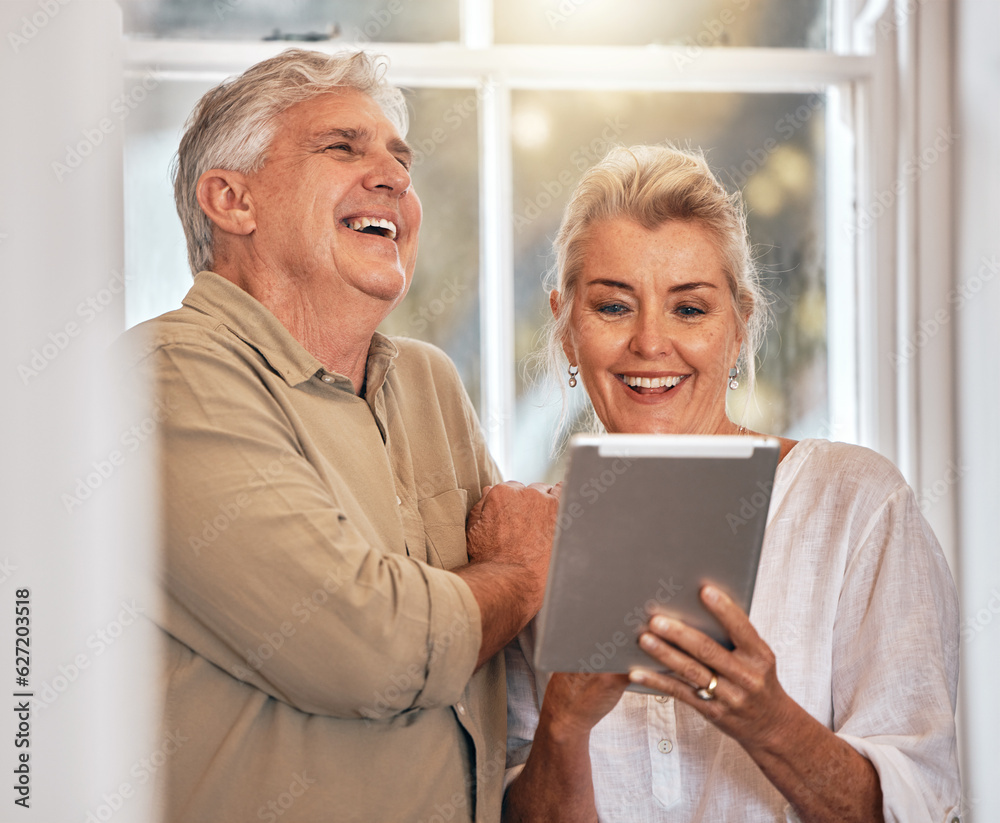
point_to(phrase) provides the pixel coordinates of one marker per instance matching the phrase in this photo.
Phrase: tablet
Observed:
(644, 522)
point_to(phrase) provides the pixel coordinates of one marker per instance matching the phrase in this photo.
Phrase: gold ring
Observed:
(708, 693)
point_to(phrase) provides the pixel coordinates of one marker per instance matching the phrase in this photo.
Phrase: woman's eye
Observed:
(612, 308)
(689, 311)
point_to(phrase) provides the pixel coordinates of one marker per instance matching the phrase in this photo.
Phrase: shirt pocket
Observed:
(443, 517)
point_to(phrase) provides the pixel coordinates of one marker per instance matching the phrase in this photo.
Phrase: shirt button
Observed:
(661, 698)
(327, 378)
(460, 707)
(398, 501)
(665, 746)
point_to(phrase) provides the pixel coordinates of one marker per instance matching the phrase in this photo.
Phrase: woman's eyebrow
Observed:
(694, 286)
(680, 287)
(605, 281)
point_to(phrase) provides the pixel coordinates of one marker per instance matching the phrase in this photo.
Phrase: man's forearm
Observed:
(508, 598)
(509, 539)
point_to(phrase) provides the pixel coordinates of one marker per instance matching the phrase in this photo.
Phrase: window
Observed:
(732, 23)
(810, 107)
(316, 21)
(511, 102)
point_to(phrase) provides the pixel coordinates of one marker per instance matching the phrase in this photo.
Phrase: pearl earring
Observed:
(733, 374)
(572, 376)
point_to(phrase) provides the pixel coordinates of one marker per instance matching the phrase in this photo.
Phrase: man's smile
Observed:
(372, 225)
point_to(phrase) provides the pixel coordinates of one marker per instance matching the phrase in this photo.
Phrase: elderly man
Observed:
(331, 629)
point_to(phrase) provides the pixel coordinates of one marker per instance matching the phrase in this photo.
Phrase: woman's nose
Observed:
(652, 337)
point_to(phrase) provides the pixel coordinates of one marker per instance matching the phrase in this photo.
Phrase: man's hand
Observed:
(509, 535)
(514, 524)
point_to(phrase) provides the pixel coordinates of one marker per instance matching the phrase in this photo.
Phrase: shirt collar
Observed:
(381, 355)
(249, 320)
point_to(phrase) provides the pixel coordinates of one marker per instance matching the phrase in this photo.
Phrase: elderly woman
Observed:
(838, 701)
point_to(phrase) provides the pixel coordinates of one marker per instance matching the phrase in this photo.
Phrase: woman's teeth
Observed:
(651, 382)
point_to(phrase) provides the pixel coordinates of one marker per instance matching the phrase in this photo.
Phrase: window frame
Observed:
(884, 106)
(875, 279)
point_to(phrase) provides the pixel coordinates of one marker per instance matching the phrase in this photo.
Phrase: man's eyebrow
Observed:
(332, 135)
(397, 145)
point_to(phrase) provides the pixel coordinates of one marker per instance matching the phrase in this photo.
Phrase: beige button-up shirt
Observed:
(319, 656)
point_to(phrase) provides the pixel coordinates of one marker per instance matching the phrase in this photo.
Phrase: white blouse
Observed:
(856, 599)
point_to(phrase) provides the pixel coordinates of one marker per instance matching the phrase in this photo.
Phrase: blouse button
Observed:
(661, 698)
(665, 746)
(327, 378)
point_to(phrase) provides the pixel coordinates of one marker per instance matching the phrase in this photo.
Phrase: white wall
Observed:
(72, 546)
(977, 336)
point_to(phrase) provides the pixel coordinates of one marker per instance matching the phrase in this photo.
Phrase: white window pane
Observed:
(401, 21)
(156, 265)
(442, 306)
(696, 24)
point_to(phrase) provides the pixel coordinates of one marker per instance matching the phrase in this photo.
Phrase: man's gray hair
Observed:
(233, 124)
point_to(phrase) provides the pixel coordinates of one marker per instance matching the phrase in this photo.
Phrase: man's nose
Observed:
(388, 172)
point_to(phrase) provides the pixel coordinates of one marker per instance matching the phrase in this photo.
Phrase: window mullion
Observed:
(496, 268)
(476, 23)
(841, 280)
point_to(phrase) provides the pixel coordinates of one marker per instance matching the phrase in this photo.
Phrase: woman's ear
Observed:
(555, 304)
(739, 350)
(224, 196)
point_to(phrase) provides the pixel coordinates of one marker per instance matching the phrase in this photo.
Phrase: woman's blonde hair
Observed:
(652, 185)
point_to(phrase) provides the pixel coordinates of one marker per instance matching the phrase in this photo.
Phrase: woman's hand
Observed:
(820, 774)
(556, 783)
(575, 703)
(748, 702)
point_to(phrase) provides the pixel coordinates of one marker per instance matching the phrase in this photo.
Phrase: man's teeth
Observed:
(651, 382)
(362, 223)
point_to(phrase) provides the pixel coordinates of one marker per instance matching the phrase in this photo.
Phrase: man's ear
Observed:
(225, 197)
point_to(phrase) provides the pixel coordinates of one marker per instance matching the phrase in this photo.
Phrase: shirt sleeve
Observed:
(265, 575)
(896, 664)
